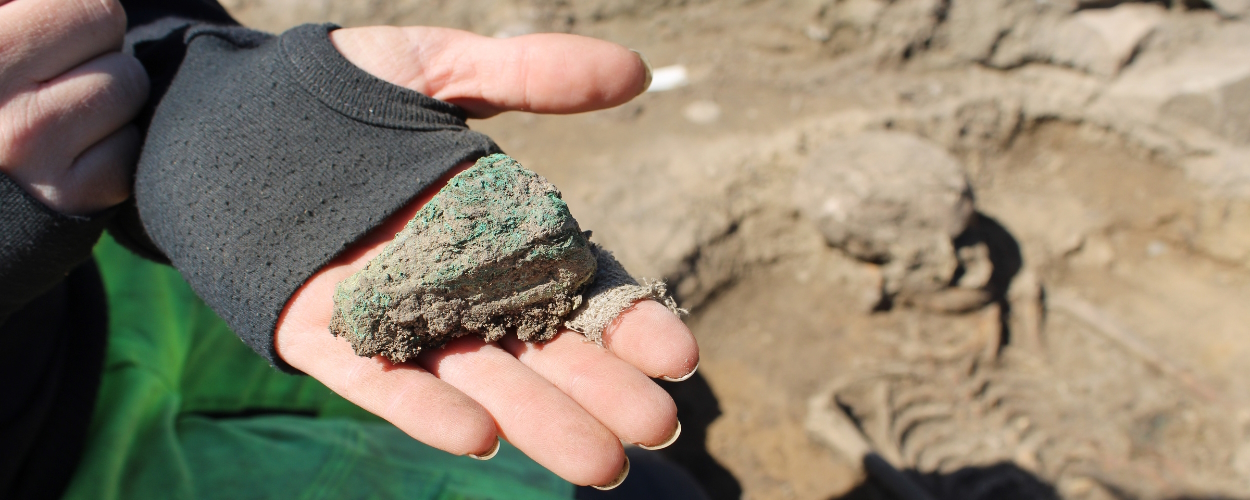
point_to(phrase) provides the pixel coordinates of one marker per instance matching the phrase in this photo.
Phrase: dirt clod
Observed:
(495, 250)
(892, 198)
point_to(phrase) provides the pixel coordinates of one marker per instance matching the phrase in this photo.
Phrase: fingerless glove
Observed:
(267, 156)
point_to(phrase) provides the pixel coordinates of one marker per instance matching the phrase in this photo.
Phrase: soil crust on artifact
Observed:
(496, 250)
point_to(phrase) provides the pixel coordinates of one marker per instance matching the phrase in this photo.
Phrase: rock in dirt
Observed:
(890, 198)
(494, 250)
(973, 31)
(889, 29)
(1224, 229)
(1221, 105)
(1204, 86)
(1231, 8)
(1097, 41)
(1010, 34)
(1101, 41)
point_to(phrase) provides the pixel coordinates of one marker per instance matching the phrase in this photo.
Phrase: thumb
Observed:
(540, 73)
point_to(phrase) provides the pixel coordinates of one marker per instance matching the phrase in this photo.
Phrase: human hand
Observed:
(566, 403)
(66, 96)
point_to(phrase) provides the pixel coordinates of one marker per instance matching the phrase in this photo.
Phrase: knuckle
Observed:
(130, 80)
(113, 84)
(101, 20)
(106, 15)
(55, 188)
(70, 195)
(23, 126)
(110, 184)
(584, 377)
(137, 77)
(400, 403)
(354, 382)
(99, 178)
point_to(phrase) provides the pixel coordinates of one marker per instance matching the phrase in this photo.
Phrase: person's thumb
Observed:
(540, 73)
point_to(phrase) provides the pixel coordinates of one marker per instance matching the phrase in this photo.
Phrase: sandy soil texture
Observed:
(1083, 335)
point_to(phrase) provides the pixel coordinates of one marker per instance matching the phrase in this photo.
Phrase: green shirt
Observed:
(186, 410)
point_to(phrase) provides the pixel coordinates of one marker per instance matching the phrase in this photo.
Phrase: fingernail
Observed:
(646, 64)
(667, 443)
(683, 377)
(489, 454)
(619, 479)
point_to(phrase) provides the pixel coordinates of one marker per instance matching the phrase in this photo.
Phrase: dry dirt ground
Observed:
(1108, 147)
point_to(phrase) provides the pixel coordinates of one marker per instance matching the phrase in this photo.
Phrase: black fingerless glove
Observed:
(267, 156)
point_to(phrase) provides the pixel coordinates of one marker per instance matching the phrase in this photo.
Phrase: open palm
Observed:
(568, 404)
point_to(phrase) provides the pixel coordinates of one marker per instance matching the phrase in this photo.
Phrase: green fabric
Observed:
(171, 418)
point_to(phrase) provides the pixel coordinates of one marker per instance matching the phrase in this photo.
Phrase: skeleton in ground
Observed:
(496, 250)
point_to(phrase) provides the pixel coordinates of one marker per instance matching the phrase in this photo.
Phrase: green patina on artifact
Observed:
(495, 250)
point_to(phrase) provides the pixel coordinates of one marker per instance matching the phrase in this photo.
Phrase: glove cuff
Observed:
(39, 246)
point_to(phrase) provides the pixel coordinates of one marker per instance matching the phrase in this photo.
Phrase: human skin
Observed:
(66, 97)
(568, 404)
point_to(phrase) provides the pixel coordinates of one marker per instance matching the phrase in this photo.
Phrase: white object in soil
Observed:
(702, 112)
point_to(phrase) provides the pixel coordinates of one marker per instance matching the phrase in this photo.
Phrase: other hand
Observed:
(66, 97)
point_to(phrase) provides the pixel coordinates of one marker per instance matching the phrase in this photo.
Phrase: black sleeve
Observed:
(266, 156)
(38, 246)
(140, 13)
(51, 357)
(53, 316)
(52, 336)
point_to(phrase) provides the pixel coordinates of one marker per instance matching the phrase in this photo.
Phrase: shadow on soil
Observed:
(698, 407)
(994, 482)
(1005, 256)
(1005, 253)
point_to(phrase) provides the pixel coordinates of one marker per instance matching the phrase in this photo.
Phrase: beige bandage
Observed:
(611, 293)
